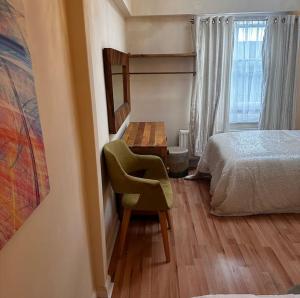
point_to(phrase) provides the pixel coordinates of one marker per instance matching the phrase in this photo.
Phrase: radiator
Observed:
(184, 138)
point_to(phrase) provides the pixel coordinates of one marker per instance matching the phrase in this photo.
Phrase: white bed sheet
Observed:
(253, 172)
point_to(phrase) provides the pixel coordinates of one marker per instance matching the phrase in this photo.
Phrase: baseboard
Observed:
(102, 293)
(106, 292)
(113, 237)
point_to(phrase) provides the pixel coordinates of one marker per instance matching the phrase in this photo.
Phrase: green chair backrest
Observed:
(120, 162)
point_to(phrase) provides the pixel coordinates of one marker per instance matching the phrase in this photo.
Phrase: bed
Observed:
(253, 172)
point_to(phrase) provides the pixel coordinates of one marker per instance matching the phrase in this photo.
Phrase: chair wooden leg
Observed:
(124, 227)
(169, 220)
(164, 232)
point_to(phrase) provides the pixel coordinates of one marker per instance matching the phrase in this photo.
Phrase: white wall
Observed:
(161, 97)
(49, 256)
(170, 7)
(105, 27)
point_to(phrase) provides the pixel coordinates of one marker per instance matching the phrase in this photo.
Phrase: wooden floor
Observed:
(209, 255)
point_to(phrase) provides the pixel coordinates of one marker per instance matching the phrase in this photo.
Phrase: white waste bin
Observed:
(178, 162)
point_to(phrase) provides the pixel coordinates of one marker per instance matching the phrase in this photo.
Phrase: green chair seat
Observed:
(131, 200)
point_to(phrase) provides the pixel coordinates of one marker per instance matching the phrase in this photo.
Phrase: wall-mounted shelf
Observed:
(173, 55)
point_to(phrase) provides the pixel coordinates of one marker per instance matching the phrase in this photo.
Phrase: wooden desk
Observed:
(147, 138)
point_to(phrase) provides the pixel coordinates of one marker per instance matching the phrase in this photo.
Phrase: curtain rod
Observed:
(245, 15)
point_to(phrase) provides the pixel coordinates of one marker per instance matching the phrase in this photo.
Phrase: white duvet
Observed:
(253, 172)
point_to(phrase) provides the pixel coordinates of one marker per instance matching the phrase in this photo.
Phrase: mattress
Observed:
(253, 172)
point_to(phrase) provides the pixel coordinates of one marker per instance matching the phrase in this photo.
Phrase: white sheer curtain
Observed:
(247, 72)
(280, 56)
(210, 100)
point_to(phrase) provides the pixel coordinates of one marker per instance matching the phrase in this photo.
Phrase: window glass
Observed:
(247, 72)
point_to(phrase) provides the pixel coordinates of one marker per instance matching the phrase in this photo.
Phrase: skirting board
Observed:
(106, 292)
(113, 237)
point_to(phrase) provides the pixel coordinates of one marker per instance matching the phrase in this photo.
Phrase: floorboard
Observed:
(209, 254)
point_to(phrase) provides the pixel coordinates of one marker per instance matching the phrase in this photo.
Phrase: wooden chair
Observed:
(152, 192)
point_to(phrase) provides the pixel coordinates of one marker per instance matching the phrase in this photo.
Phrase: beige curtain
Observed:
(280, 48)
(209, 113)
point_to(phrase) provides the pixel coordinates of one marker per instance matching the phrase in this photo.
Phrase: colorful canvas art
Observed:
(23, 171)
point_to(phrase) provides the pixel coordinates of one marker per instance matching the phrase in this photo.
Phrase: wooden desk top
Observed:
(145, 134)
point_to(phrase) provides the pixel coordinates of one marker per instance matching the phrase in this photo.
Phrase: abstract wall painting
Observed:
(24, 179)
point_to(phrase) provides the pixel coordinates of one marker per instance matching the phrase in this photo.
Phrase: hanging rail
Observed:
(157, 72)
(172, 55)
(163, 72)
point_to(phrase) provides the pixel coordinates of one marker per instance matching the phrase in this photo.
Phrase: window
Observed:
(247, 76)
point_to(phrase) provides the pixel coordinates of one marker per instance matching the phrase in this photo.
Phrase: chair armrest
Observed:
(153, 165)
(141, 185)
(151, 193)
